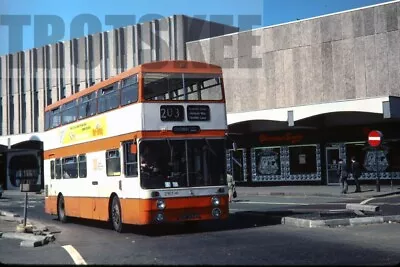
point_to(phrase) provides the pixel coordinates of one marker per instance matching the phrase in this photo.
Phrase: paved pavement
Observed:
(316, 190)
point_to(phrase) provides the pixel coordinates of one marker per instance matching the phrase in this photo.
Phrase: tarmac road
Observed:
(247, 238)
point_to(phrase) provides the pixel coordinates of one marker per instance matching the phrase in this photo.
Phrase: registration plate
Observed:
(190, 216)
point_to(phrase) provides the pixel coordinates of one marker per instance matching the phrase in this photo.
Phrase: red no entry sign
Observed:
(375, 138)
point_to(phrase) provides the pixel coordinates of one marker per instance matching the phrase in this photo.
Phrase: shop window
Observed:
(388, 157)
(52, 174)
(82, 166)
(302, 160)
(113, 163)
(58, 169)
(70, 168)
(268, 160)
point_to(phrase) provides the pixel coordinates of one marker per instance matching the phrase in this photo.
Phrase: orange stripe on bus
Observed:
(115, 142)
(138, 211)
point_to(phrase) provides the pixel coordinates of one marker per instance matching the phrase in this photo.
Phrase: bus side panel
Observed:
(131, 211)
(72, 206)
(86, 207)
(100, 209)
(50, 205)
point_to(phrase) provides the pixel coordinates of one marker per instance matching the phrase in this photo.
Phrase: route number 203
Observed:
(172, 113)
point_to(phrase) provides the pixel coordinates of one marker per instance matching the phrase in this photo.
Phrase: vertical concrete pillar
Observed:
(67, 68)
(112, 66)
(28, 90)
(129, 48)
(97, 55)
(41, 88)
(15, 93)
(54, 70)
(3, 94)
(80, 65)
(136, 45)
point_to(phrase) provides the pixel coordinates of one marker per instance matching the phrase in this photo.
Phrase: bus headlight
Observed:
(160, 217)
(216, 213)
(160, 204)
(215, 201)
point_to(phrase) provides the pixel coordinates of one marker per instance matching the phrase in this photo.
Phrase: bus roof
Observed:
(163, 66)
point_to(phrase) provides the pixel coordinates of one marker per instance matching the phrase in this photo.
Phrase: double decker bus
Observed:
(144, 147)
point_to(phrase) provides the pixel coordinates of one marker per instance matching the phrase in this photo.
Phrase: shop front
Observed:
(278, 158)
(303, 145)
(352, 141)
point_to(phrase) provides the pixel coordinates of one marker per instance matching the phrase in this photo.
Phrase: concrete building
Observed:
(302, 94)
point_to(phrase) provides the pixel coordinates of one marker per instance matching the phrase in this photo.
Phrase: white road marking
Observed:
(290, 203)
(271, 203)
(366, 201)
(75, 255)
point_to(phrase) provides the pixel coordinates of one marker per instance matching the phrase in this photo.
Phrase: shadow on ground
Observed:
(236, 221)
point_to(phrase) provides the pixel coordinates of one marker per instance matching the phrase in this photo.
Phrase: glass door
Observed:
(237, 162)
(332, 160)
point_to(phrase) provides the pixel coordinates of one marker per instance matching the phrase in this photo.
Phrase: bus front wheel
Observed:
(61, 209)
(116, 217)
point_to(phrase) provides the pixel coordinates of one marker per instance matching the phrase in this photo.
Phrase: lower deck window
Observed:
(113, 163)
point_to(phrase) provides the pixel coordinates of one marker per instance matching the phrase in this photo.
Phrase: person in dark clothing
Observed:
(356, 173)
(343, 175)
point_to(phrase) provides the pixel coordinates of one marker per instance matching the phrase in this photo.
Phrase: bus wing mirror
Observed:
(133, 148)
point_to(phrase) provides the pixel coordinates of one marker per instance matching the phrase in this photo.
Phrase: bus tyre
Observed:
(61, 209)
(116, 218)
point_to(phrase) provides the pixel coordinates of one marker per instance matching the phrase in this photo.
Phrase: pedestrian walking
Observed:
(356, 173)
(343, 175)
(231, 186)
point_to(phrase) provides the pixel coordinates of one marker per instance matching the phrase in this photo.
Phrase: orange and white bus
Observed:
(146, 146)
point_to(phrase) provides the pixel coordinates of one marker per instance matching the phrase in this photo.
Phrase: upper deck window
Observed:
(108, 98)
(182, 86)
(55, 118)
(87, 105)
(129, 90)
(69, 112)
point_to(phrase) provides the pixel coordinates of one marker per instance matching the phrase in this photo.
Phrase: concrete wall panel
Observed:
(394, 62)
(381, 42)
(279, 76)
(359, 67)
(347, 25)
(337, 71)
(369, 21)
(348, 68)
(357, 18)
(370, 66)
(288, 76)
(270, 81)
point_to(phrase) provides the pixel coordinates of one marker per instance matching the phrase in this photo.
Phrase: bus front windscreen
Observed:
(182, 86)
(182, 163)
